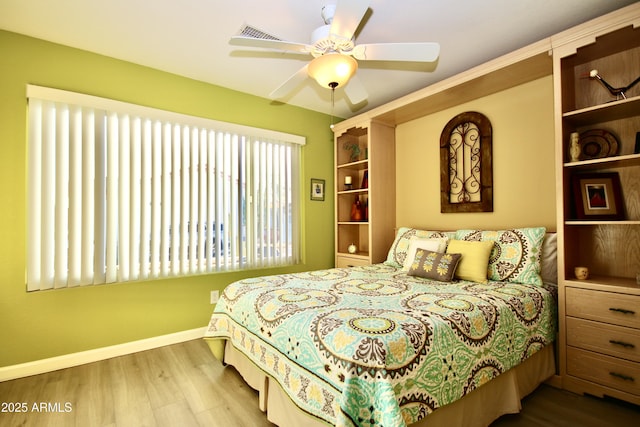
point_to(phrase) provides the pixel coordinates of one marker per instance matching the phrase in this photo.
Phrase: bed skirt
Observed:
(481, 407)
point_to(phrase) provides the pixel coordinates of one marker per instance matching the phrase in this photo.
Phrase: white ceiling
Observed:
(190, 37)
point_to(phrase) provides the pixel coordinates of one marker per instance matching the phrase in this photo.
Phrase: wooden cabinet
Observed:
(364, 152)
(599, 317)
(603, 339)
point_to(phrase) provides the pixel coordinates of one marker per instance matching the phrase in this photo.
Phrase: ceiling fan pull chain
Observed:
(333, 86)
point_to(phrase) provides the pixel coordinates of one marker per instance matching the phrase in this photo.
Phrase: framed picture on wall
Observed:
(597, 196)
(317, 189)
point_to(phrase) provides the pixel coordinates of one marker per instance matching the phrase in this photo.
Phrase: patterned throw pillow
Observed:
(516, 254)
(434, 265)
(398, 251)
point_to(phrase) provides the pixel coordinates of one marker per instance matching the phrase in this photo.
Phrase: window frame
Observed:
(247, 138)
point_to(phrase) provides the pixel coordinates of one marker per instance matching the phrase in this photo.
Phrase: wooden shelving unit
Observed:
(374, 232)
(599, 318)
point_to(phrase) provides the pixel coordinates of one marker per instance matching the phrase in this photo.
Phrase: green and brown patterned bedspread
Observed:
(373, 346)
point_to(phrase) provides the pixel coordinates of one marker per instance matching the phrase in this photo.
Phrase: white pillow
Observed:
(549, 258)
(415, 243)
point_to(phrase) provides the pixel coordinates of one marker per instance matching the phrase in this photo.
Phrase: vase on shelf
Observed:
(574, 147)
(365, 179)
(356, 210)
(366, 210)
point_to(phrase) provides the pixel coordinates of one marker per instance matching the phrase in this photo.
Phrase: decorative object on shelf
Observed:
(618, 92)
(574, 147)
(582, 273)
(597, 143)
(365, 179)
(317, 189)
(356, 210)
(466, 173)
(636, 149)
(366, 210)
(352, 249)
(597, 196)
(355, 150)
(348, 184)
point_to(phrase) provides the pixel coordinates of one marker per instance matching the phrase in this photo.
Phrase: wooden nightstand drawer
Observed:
(608, 307)
(617, 341)
(605, 370)
(345, 261)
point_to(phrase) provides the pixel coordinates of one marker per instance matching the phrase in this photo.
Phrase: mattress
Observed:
(372, 345)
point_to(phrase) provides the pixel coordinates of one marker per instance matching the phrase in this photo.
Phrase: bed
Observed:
(454, 328)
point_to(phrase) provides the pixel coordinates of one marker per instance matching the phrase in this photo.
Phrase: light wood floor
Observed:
(184, 385)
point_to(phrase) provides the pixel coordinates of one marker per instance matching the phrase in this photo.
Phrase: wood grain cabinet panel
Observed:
(608, 371)
(599, 317)
(345, 261)
(608, 307)
(612, 340)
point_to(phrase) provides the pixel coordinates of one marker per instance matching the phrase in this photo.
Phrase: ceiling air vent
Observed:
(249, 31)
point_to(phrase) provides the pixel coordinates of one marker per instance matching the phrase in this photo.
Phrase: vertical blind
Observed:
(120, 192)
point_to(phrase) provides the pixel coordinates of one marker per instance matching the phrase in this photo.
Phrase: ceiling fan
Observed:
(335, 52)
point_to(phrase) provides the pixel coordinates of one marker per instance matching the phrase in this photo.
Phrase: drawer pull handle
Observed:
(622, 310)
(622, 376)
(622, 343)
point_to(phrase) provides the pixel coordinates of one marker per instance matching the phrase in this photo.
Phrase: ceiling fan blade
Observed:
(347, 17)
(355, 91)
(414, 52)
(290, 84)
(269, 44)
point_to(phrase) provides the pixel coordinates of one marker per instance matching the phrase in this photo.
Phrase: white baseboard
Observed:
(68, 360)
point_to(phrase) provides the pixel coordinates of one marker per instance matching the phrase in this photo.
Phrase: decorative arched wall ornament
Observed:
(466, 173)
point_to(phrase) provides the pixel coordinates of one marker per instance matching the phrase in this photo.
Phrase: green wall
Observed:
(44, 324)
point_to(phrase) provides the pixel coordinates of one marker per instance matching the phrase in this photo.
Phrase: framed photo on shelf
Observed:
(597, 196)
(317, 189)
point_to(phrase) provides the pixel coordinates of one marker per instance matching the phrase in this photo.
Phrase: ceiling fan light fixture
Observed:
(332, 68)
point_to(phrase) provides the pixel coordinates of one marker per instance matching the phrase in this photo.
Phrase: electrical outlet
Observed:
(214, 296)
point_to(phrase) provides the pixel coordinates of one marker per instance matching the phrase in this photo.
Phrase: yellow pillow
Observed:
(475, 259)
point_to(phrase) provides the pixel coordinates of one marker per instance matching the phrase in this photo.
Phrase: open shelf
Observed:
(357, 191)
(606, 162)
(606, 283)
(613, 110)
(359, 165)
(358, 254)
(591, 222)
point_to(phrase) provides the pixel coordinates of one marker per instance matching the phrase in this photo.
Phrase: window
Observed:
(119, 192)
